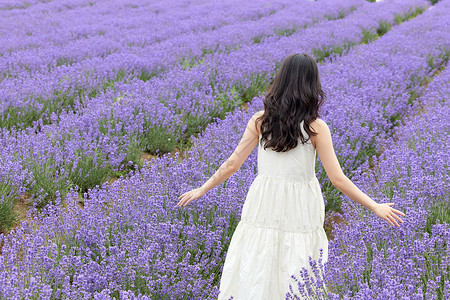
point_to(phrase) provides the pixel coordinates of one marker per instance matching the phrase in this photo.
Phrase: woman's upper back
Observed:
(295, 164)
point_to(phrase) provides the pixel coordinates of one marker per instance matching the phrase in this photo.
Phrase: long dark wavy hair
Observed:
(294, 96)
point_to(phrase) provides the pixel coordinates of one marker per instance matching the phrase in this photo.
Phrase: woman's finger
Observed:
(393, 220)
(181, 203)
(398, 212)
(389, 221)
(187, 197)
(397, 217)
(187, 202)
(182, 199)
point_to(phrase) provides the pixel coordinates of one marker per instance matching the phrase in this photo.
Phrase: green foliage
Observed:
(258, 85)
(23, 117)
(62, 100)
(52, 177)
(331, 194)
(257, 39)
(413, 95)
(383, 28)
(48, 180)
(440, 210)
(366, 152)
(64, 61)
(340, 15)
(440, 61)
(285, 32)
(121, 173)
(368, 269)
(321, 53)
(145, 75)
(19, 117)
(395, 119)
(188, 63)
(429, 260)
(7, 214)
(109, 83)
(90, 171)
(225, 102)
(368, 36)
(112, 126)
(133, 153)
(194, 124)
(157, 138)
(108, 124)
(329, 191)
(412, 13)
(210, 215)
(398, 19)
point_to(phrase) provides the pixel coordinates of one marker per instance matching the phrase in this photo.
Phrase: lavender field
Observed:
(112, 109)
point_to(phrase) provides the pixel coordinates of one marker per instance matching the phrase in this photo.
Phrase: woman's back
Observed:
(286, 193)
(295, 164)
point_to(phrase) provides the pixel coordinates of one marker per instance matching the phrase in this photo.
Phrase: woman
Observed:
(283, 214)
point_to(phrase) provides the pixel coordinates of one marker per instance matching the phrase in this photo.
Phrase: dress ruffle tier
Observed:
(273, 239)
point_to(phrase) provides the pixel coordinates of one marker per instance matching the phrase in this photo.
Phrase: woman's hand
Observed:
(385, 211)
(189, 196)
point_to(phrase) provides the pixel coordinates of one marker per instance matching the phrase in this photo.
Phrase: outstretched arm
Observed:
(324, 146)
(230, 166)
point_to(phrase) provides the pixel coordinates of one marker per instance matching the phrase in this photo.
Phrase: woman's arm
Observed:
(230, 166)
(324, 146)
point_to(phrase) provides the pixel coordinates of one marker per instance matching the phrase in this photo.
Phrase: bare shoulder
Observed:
(257, 115)
(321, 128)
(257, 124)
(318, 125)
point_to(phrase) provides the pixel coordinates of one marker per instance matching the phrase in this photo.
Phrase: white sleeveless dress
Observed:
(281, 225)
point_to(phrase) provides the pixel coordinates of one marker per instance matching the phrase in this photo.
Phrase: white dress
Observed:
(281, 225)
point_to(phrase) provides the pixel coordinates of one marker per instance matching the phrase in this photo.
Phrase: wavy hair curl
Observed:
(294, 96)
